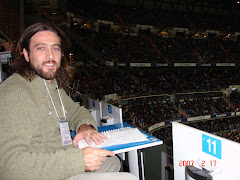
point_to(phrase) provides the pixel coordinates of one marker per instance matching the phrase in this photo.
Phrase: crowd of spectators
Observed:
(147, 48)
(145, 112)
(204, 106)
(132, 82)
(188, 87)
(228, 128)
(234, 98)
(116, 47)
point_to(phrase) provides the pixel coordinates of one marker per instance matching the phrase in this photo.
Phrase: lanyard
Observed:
(59, 95)
(63, 124)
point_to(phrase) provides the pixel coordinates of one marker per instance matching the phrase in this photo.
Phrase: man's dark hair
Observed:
(64, 75)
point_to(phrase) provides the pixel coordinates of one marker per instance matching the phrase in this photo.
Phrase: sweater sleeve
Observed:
(76, 114)
(22, 154)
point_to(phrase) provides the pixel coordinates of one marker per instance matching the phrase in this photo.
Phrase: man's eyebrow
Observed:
(44, 44)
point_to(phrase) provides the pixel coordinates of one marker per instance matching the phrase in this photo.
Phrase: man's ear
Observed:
(25, 53)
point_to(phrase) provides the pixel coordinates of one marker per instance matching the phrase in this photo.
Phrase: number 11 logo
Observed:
(212, 146)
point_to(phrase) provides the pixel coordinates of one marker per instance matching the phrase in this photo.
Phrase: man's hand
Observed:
(94, 157)
(87, 132)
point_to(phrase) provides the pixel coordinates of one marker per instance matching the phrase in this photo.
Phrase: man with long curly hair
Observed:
(36, 115)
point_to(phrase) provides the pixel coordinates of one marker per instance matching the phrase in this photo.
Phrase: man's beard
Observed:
(49, 75)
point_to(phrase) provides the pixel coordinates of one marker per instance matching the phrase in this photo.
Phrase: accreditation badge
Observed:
(65, 132)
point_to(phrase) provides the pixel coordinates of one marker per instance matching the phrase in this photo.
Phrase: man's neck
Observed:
(49, 81)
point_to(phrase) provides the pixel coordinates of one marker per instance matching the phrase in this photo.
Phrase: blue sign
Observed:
(212, 146)
(110, 109)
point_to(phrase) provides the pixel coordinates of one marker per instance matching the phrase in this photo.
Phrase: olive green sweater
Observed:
(30, 141)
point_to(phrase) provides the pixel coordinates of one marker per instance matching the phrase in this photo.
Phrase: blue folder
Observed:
(152, 141)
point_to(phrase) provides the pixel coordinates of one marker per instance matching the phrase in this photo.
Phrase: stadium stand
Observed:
(153, 95)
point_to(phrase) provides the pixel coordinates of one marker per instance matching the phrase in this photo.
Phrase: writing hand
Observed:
(94, 157)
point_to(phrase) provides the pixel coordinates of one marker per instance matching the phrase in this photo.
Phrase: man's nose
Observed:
(49, 54)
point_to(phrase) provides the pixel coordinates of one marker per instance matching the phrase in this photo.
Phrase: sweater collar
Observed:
(38, 82)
